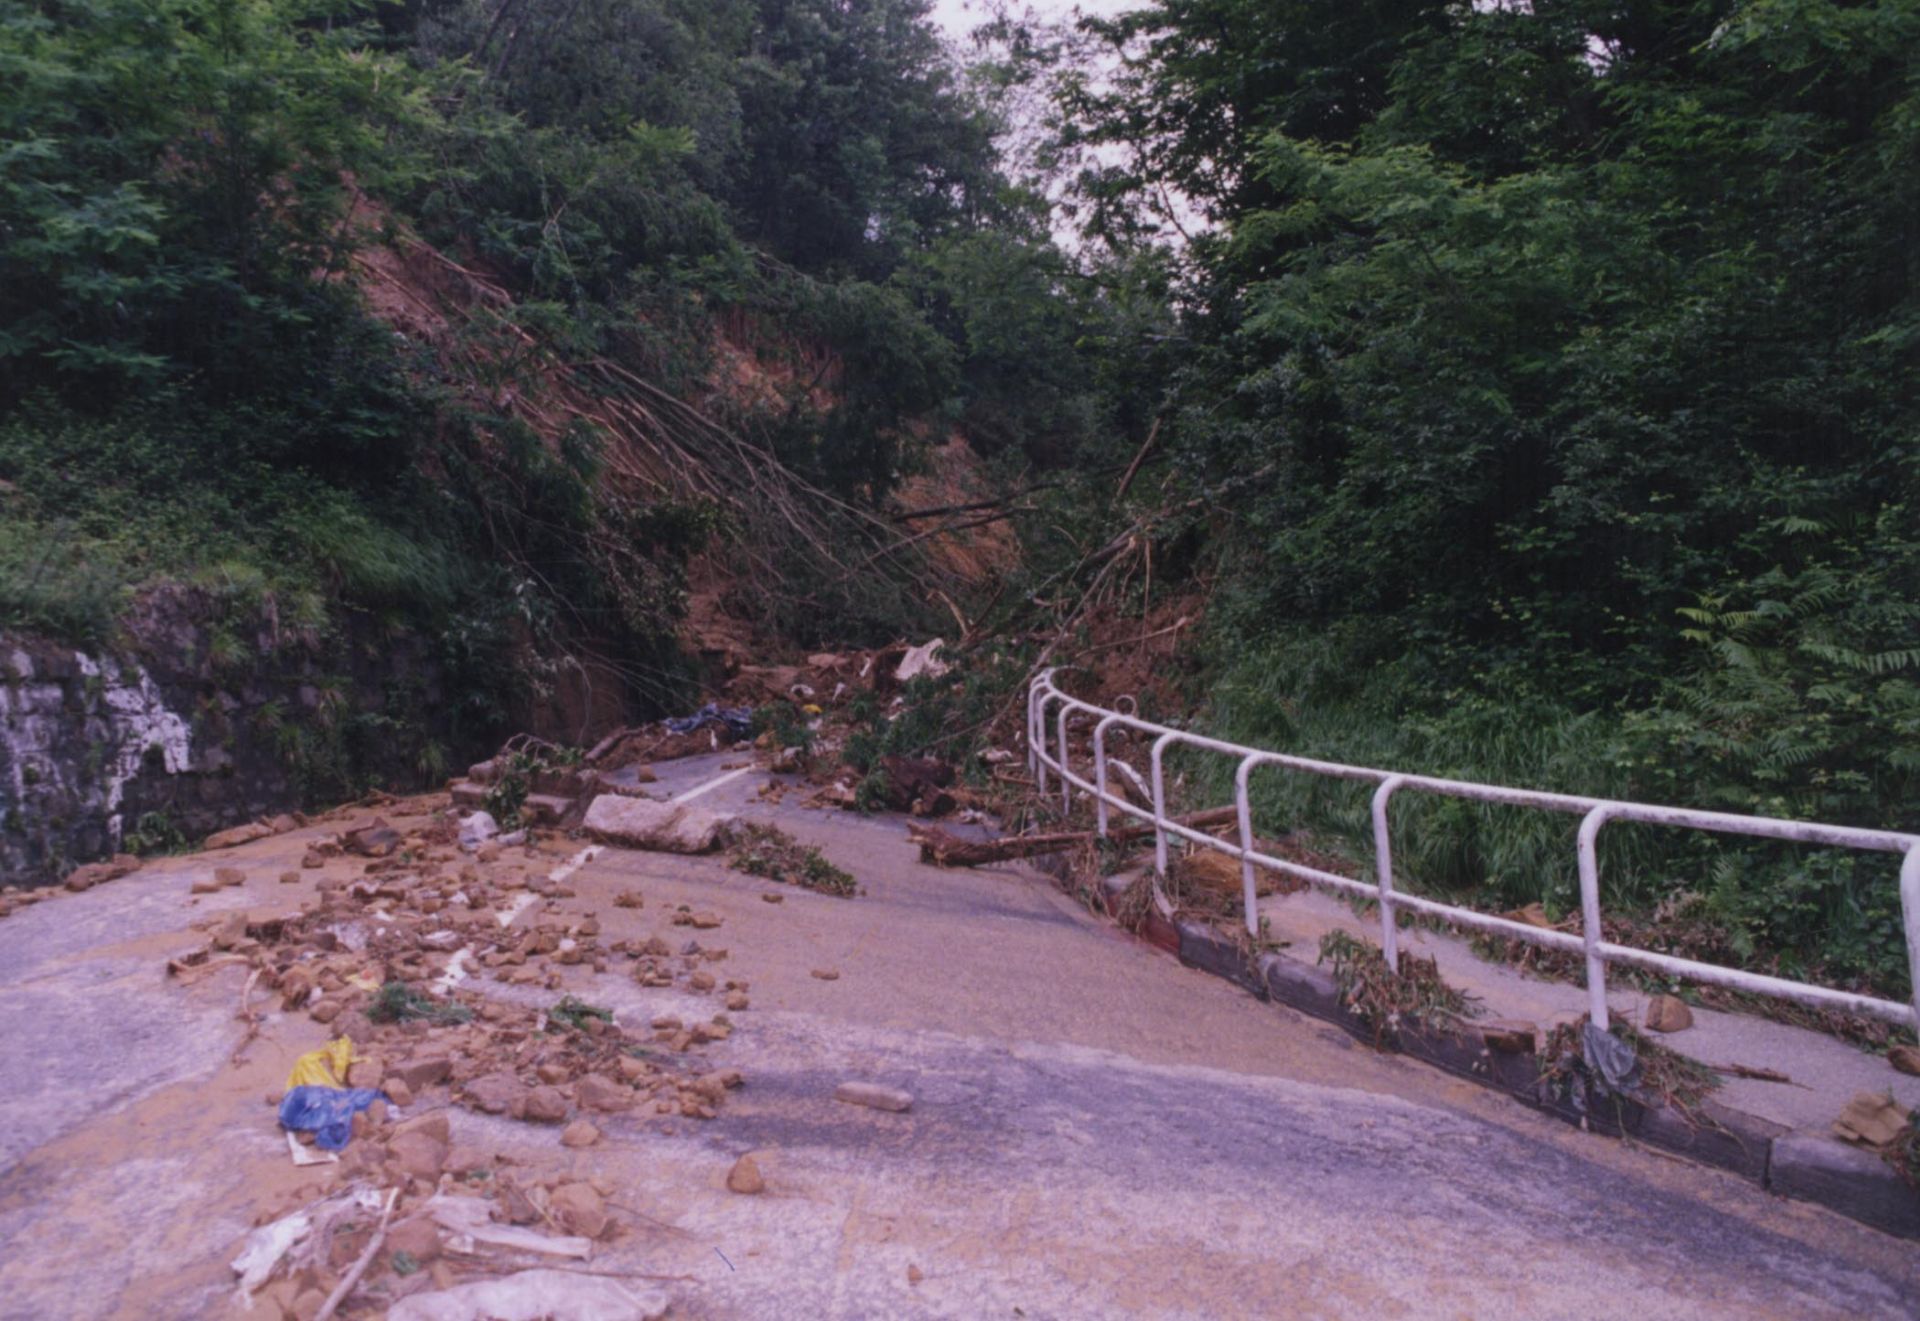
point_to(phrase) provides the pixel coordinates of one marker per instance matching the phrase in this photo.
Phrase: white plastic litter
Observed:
(532, 1295)
(922, 660)
(469, 1221)
(266, 1245)
(477, 829)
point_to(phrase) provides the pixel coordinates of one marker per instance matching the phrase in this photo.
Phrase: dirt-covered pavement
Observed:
(1094, 1129)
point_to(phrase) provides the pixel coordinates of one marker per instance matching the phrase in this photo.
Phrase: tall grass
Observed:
(1302, 696)
(1828, 912)
(56, 581)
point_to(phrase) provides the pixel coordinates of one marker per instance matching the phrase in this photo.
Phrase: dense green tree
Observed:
(1574, 346)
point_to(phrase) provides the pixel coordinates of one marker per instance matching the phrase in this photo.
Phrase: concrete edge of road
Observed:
(1808, 1166)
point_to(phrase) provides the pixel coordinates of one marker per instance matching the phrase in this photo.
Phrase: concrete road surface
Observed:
(1096, 1131)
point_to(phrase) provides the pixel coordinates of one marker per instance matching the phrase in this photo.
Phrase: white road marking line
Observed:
(575, 863)
(714, 783)
(455, 973)
(521, 903)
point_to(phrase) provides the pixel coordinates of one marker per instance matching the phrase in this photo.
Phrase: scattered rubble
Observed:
(387, 951)
(96, 873)
(245, 834)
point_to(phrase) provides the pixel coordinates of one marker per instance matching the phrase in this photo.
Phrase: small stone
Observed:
(601, 1093)
(914, 1275)
(544, 1105)
(745, 1177)
(204, 885)
(736, 1001)
(495, 1093)
(1874, 1119)
(289, 878)
(701, 981)
(703, 921)
(325, 1011)
(1904, 1059)
(629, 899)
(423, 1072)
(434, 1126)
(418, 1154)
(515, 1206)
(827, 974)
(229, 876)
(1668, 1013)
(873, 1096)
(771, 898)
(312, 861)
(397, 1090)
(418, 1237)
(554, 1073)
(580, 1133)
(246, 834)
(579, 1209)
(365, 1073)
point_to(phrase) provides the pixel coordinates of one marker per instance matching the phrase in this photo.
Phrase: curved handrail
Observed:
(1594, 813)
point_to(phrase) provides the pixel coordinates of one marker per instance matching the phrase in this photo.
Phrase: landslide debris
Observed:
(389, 952)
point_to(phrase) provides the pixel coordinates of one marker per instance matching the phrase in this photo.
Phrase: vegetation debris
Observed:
(1387, 1001)
(769, 852)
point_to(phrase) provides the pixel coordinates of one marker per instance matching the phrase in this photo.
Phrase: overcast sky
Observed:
(958, 17)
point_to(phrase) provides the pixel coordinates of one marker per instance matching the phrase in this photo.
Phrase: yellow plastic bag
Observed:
(326, 1067)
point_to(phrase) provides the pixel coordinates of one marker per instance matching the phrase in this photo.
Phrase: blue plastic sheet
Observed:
(737, 719)
(326, 1111)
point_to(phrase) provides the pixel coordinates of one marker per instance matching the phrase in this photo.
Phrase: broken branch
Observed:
(946, 850)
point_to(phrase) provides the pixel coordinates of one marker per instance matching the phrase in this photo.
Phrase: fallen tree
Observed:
(942, 849)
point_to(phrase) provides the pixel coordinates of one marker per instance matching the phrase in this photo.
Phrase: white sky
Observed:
(958, 17)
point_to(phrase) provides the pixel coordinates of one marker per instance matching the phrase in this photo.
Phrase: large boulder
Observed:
(643, 823)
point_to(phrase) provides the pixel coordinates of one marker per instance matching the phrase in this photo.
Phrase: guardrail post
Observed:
(1037, 737)
(1910, 918)
(1248, 894)
(1160, 804)
(1100, 775)
(1033, 751)
(1066, 785)
(1590, 929)
(1383, 871)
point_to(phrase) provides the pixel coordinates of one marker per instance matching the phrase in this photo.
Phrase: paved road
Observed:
(1097, 1131)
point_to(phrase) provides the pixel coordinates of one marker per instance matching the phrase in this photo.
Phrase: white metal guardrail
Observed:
(1594, 813)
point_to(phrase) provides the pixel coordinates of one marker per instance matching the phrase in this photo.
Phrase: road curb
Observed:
(1806, 1166)
(1856, 1183)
